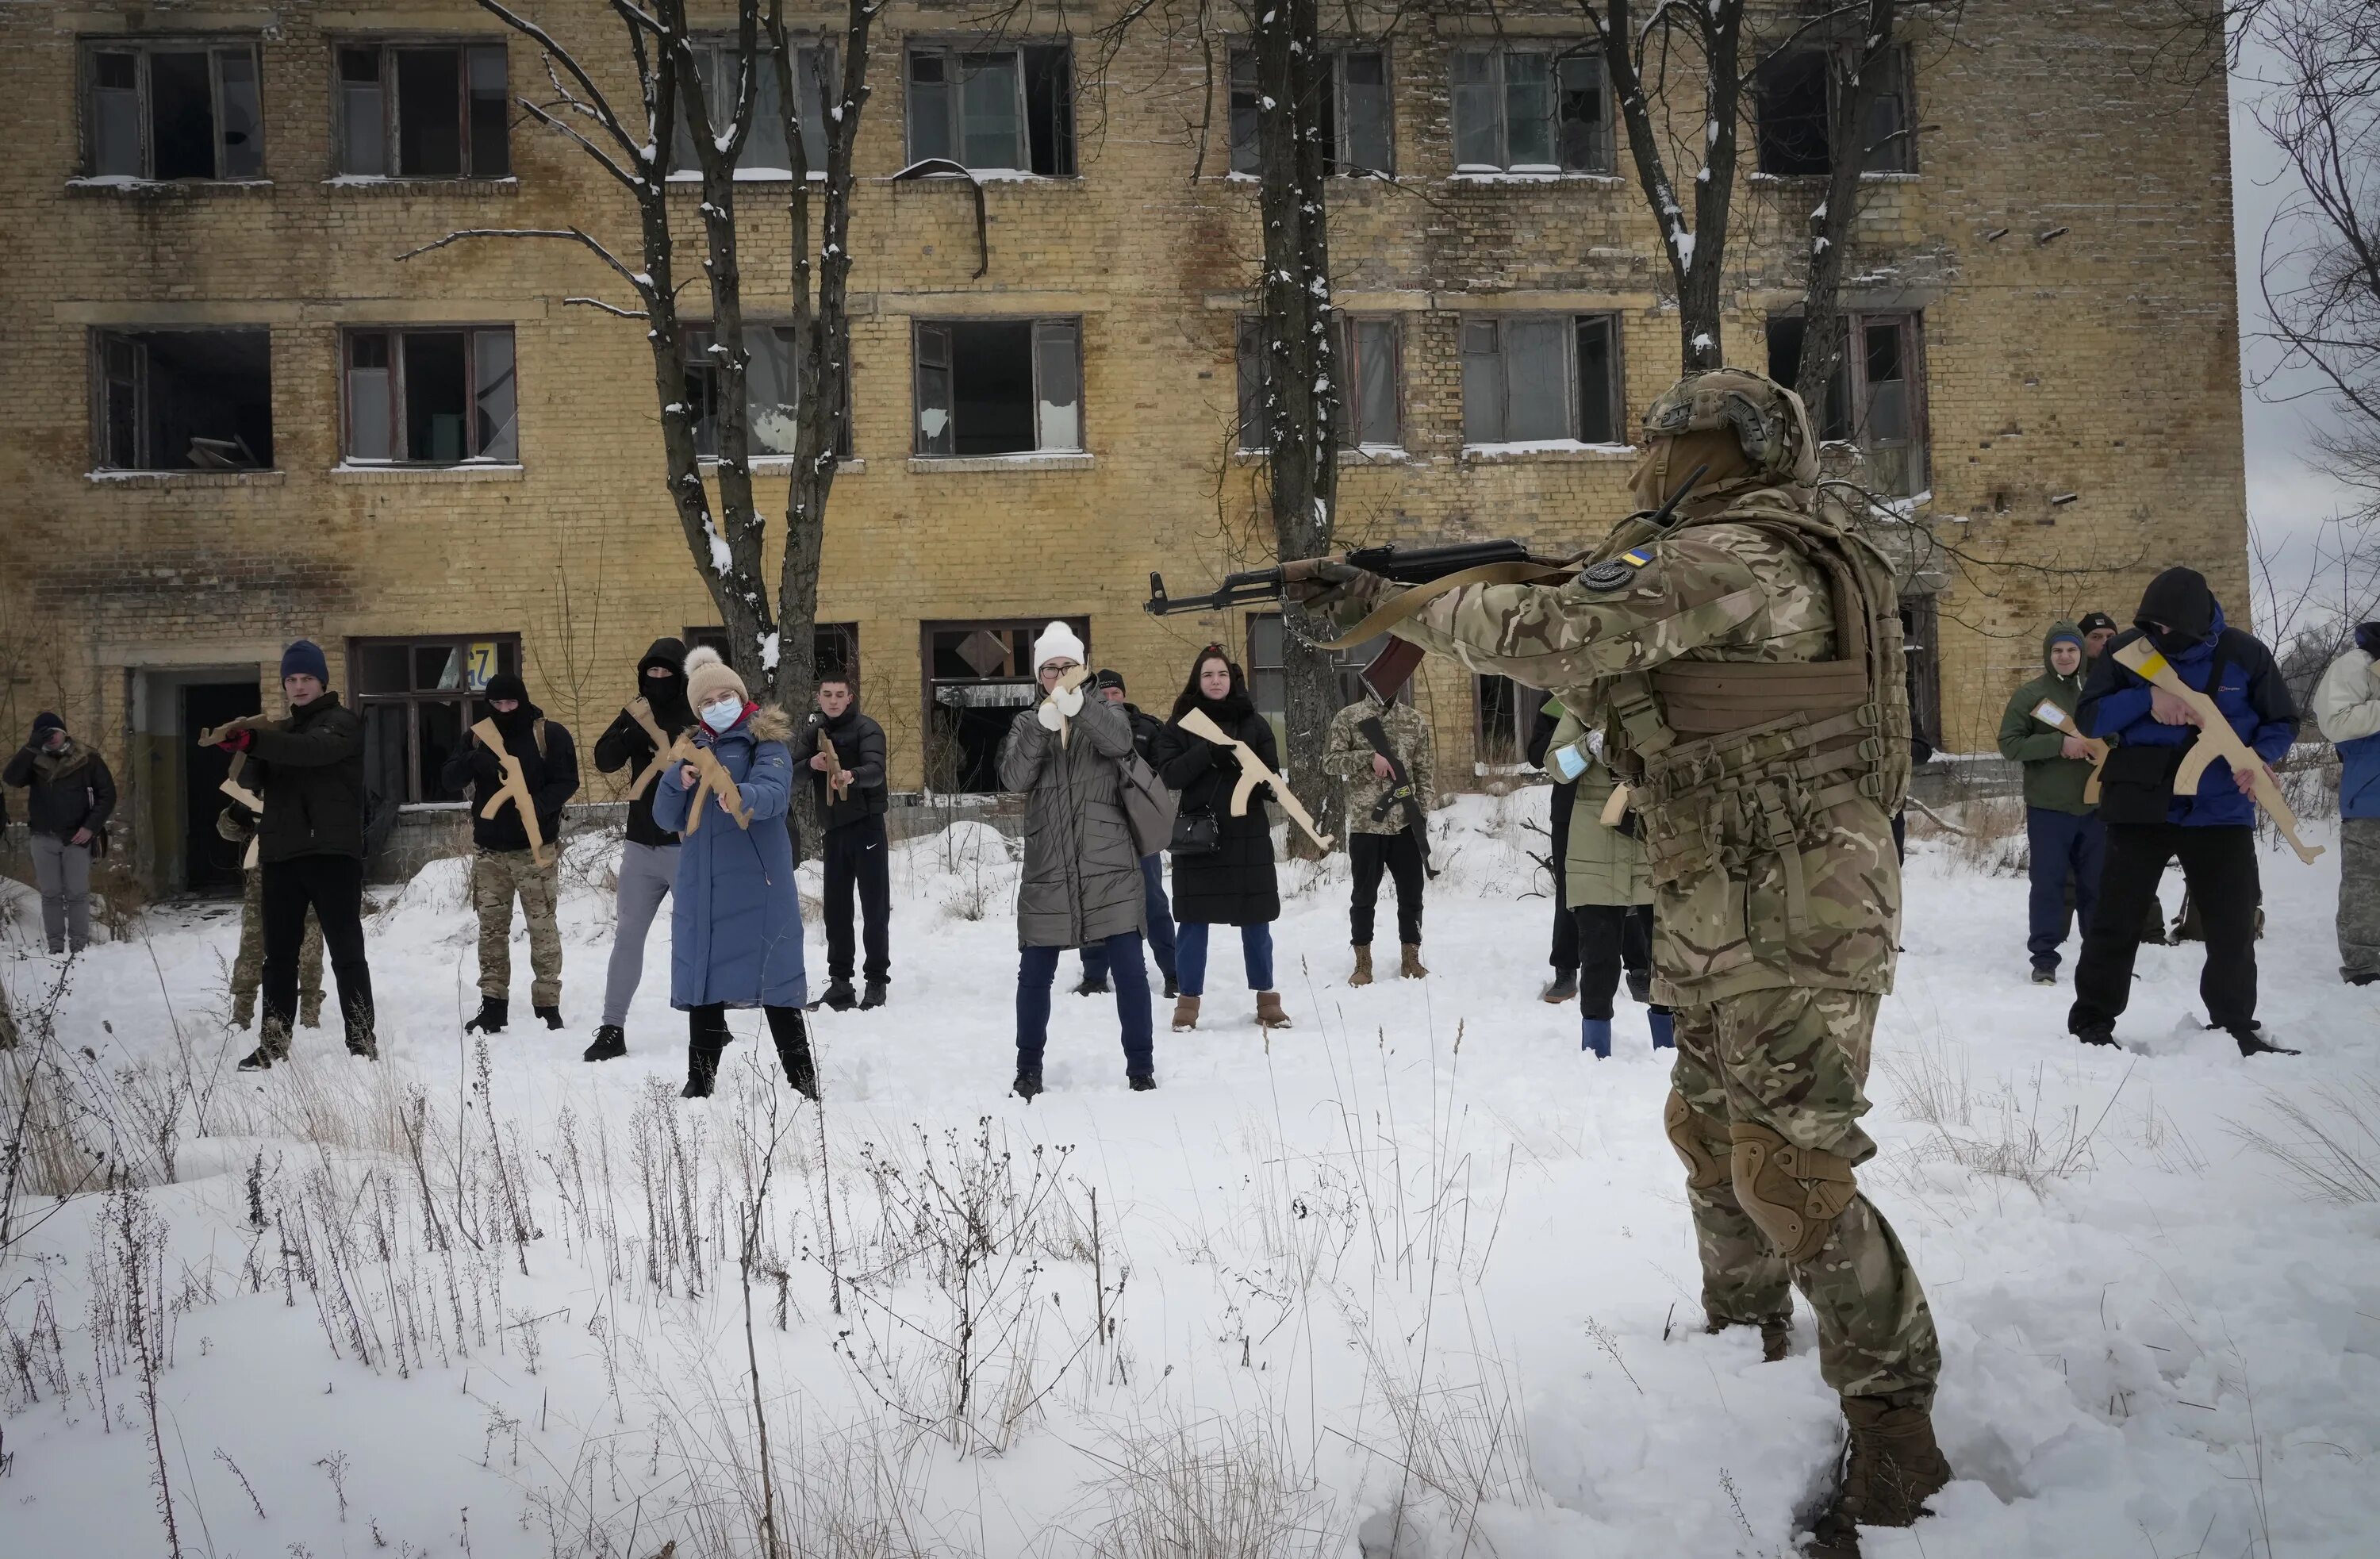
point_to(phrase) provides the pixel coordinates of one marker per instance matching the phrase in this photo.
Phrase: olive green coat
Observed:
(1604, 866)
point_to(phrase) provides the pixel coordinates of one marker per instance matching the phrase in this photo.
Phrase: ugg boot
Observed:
(1411, 968)
(1268, 1012)
(493, 1010)
(610, 1043)
(1185, 1014)
(1892, 1467)
(1665, 1029)
(793, 1050)
(1563, 988)
(1595, 1035)
(1363, 975)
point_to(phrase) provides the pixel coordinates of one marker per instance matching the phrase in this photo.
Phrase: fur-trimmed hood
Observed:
(771, 723)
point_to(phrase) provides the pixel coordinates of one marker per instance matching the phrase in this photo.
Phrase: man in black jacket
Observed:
(1564, 957)
(503, 867)
(1109, 685)
(854, 851)
(309, 771)
(649, 858)
(66, 815)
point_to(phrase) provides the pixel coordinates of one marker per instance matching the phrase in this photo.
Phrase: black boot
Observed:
(610, 1043)
(840, 996)
(1028, 1085)
(2252, 1041)
(1091, 987)
(1563, 988)
(1140, 1082)
(873, 997)
(2098, 1034)
(553, 1015)
(1172, 987)
(793, 1050)
(493, 1012)
(706, 1042)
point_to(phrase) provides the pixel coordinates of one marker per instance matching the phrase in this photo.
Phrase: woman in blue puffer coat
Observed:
(735, 918)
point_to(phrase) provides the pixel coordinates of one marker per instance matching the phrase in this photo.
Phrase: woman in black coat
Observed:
(1231, 884)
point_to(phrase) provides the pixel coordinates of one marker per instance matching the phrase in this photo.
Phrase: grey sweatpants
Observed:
(646, 873)
(63, 872)
(2359, 897)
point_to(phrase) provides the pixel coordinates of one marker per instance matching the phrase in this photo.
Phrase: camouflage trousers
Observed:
(1793, 1063)
(497, 878)
(2359, 897)
(248, 965)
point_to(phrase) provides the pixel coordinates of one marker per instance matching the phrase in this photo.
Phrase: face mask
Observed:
(722, 715)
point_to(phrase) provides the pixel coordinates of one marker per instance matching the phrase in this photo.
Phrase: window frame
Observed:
(1615, 376)
(1526, 702)
(144, 48)
(1249, 374)
(1902, 94)
(388, 46)
(412, 698)
(395, 333)
(919, 324)
(1064, 150)
(1910, 326)
(1349, 664)
(722, 47)
(100, 338)
(1557, 53)
(784, 330)
(1030, 627)
(1340, 163)
(846, 634)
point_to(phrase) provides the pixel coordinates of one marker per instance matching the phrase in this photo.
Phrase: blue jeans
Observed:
(2061, 845)
(1037, 968)
(1161, 924)
(1190, 956)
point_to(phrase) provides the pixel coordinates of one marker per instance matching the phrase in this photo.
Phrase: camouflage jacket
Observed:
(1714, 588)
(1347, 757)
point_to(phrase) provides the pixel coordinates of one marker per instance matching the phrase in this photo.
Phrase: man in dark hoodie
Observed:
(2062, 830)
(853, 817)
(502, 865)
(2213, 832)
(649, 858)
(70, 794)
(309, 771)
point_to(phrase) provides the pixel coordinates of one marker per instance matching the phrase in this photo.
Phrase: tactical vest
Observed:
(1731, 760)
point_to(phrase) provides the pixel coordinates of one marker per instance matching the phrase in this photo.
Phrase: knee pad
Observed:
(1706, 1168)
(1793, 1194)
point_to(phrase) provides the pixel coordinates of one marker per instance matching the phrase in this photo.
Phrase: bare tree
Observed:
(1856, 71)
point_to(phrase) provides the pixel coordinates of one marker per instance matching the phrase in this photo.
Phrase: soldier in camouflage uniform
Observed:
(1744, 666)
(1383, 835)
(238, 824)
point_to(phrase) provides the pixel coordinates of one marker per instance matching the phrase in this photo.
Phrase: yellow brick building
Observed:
(236, 416)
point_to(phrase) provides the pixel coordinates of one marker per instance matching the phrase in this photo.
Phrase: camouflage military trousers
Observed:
(2359, 898)
(1794, 1062)
(497, 878)
(247, 966)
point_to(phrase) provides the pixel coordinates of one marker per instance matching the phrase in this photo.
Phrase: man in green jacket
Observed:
(2062, 830)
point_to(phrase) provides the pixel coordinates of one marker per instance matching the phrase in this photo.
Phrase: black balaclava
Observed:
(667, 695)
(2177, 597)
(505, 685)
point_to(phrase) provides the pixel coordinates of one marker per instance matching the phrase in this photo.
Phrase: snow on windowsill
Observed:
(1821, 178)
(682, 176)
(778, 464)
(1534, 175)
(273, 477)
(131, 184)
(1551, 448)
(1034, 460)
(474, 470)
(507, 185)
(998, 176)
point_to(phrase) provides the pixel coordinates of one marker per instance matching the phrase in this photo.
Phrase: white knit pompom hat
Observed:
(1056, 642)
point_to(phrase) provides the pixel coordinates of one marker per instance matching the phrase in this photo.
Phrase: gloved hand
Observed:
(1050, 717)
(1336, 592)
(238, 741)
(1068, 701)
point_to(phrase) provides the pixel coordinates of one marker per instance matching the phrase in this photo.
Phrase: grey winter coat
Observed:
(1082, 878)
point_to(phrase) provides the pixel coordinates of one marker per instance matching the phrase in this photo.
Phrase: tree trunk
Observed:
(1857, 74)
(1298, 326)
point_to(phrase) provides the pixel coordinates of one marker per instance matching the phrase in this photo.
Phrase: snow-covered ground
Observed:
(1415, 1277)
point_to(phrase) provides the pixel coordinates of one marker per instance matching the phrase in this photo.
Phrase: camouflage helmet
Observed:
(1768, 420)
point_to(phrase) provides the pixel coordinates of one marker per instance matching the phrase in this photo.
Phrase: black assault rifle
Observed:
(1401, 792)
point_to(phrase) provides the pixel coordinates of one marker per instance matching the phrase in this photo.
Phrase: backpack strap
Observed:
(537, 730)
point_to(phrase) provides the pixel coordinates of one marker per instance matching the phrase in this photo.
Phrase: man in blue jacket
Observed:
(2347, 707)
(2212, 833)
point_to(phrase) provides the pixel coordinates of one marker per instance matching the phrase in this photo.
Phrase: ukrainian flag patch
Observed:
(1636, 557)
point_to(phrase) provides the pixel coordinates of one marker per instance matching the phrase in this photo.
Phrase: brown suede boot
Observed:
(1363, 975)
(1268, 1012)
(1185, 1014)
(1892, 1468)
(1411, 968)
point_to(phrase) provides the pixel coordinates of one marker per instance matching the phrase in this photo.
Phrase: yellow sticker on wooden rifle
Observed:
(2151, 666)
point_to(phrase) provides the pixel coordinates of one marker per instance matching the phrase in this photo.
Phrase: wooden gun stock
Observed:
(716, 781)
(514, 792)
(1254, 772)
(2215, 739)
(641, 711)
(224, 731)
(838, 778)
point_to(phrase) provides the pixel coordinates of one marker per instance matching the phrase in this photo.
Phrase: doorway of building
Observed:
(209, 862)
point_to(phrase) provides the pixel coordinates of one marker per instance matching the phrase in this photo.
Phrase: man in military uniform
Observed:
(1744, 664)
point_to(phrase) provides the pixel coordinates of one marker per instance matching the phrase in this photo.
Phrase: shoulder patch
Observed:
(1609, 575)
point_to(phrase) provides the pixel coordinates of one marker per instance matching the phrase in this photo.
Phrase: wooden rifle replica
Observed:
(838, 778)
(716, 781)
(514, 792)
(2215, 739)
(2056, 719)
(231, 786)
(641, 711)
(1254, 772)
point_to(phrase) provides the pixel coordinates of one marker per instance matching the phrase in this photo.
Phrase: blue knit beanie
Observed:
(305, 658)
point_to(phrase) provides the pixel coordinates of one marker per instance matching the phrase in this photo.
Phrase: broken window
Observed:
(1875, 397)
(181, 400)
(431, 397)
(172, 111)
(1531, 110)
(1505, 711)
(1793, 93)
(994, 110)
(423, 111)
(979, 675)
(1358, 112)
(835, 647)
(766, 153)
(1368, 377)
(999, 386)
(414, 697)
(1541, 379)
(769, 384)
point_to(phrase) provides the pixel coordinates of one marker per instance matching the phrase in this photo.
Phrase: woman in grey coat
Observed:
(1082, 884)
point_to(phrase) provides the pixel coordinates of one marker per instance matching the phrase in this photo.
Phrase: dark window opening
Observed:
(1875, 397)
(1358, 112)
(432, 397)
(999, 386)
(415, 697)
(1793, 94)
(1504, 712)
(834, 646)
(177, 400)
(977, 676)
(418, 111)
(1531, 110)
(1369, 375)
(994, 110)
(1540, 379)
(1267, 678)
(766, 152)
(1921, 649)
(172, 111)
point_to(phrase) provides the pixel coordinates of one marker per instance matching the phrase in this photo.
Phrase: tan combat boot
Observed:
(1892, 1468)
(1363, 975)
(1411, 968)
(1185, 1014)
(1268, 1011)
